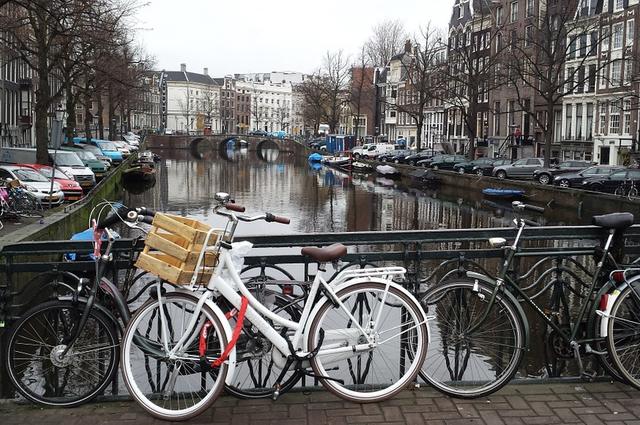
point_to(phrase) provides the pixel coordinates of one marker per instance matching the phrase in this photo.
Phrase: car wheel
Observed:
(356, 156)
(414, 163)
(501, 174)
(436, 168)
(460, 170)
(544, 179)
(479, 173)
(564, 183)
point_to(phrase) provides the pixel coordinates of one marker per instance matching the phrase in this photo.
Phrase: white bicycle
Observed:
(363, 336)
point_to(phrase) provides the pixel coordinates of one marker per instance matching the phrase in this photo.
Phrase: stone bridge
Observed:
(219, 141)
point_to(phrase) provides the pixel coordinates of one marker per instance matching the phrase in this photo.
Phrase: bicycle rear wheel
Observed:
(175, 387)
(256, 370)
(37, 366)
(470, 365)
(400, 335)
(623, 335)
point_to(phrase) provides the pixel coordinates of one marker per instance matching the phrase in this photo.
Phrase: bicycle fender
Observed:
(101, 308)
(231, 361)
(354, 281)
(611, 300)
(525, 322)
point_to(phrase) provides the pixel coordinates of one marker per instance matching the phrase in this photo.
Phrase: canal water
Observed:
(321, 199)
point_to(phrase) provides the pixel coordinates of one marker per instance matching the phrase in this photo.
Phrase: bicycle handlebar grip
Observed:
(112, 219)
(271, 218)
(234, 207)
(534, 208)
(146, 219)
(146, 212)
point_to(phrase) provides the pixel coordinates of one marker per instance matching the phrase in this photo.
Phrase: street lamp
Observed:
(56, 141)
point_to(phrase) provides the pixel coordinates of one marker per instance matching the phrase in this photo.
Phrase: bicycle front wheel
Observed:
(43, 372)
(470, 357)
(395, 329)
(178, 386)
(623, 335)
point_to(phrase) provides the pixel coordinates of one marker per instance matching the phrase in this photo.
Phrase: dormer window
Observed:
(618, 5)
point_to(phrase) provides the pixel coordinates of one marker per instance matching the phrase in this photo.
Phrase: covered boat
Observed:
(386, 170)
(361, 166)
(503, 193)
(315, 157)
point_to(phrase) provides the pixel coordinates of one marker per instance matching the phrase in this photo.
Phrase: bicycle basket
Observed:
(173, 247)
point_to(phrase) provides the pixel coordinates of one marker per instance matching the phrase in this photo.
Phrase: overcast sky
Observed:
(274, 35)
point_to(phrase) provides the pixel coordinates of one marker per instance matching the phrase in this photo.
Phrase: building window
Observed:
(627, 116)
(528, 35)
(579, 121)
(514, 11)
(618, 5)
(591, 83)
(604, 36)
(496, 119)
(558, 126)
(499, 15)
(589, 121)
(630, 32)
(617, 35)
(603, 118)
(529, 8)
(627, 71)
(569, 122)
(614, 118)
(616, 69)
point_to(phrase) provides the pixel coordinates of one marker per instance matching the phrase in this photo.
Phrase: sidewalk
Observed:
(579, 403)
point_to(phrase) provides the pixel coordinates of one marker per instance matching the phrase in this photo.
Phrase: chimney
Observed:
(407, 46)
(183, 67)
(206, 71)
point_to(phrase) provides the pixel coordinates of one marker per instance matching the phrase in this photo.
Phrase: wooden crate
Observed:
(172, 249)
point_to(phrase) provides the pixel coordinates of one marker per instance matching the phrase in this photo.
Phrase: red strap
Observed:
(202, 344)
(236, 334)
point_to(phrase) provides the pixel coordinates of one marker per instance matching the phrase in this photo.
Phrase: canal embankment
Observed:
(60, 223)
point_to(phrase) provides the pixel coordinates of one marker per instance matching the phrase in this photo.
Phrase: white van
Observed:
(375, 150)
(68, 162)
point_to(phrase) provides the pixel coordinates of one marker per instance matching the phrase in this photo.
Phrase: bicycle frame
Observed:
(256, 312)
(504, 280)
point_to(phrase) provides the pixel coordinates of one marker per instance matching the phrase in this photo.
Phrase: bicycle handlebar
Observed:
(520, 206)
(234, 207)
(142, 214)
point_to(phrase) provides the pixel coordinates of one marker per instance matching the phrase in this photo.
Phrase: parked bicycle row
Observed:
(364, 336)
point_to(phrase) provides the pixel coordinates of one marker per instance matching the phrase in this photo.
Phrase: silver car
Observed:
(521, 169)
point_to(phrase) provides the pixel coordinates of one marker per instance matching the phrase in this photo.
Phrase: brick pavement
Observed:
(555, 403)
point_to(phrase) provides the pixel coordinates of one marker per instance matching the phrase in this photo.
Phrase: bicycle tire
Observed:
(252, 378)
(449, 333)
(28, 337)
(623, 340)
(143, 356)
(633, 193)
(27, 206)
(620, 191)
(364, 378)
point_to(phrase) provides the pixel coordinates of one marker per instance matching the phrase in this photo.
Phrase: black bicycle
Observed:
(479, 331)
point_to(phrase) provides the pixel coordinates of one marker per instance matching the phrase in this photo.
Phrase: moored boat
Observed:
(503, 193)
(387, 170)
(361, 166)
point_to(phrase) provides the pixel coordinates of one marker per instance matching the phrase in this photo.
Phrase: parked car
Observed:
(359, 151)
(378, 149)
(123, 148)
(467, 166)
(168, 132)
(575, 179)
(98, 166)
(414, 158)
(71, 188)
(611, 182)
(446, 162)
(106, 147)
(487, 169)
(35, 183)
(396, 156)
(260, 133)
(521, 169)
(427, 161)
(96, 151)
(546, 175)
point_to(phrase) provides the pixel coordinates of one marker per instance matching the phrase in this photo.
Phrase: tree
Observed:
(387, 39)
(422, 83)
(312, 93)
(475, 58)
(335, 79)
(187, 108)
(210, 106)
(545, 65)
(362, 89)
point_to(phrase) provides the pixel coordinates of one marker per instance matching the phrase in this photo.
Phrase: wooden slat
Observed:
(159, 242)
